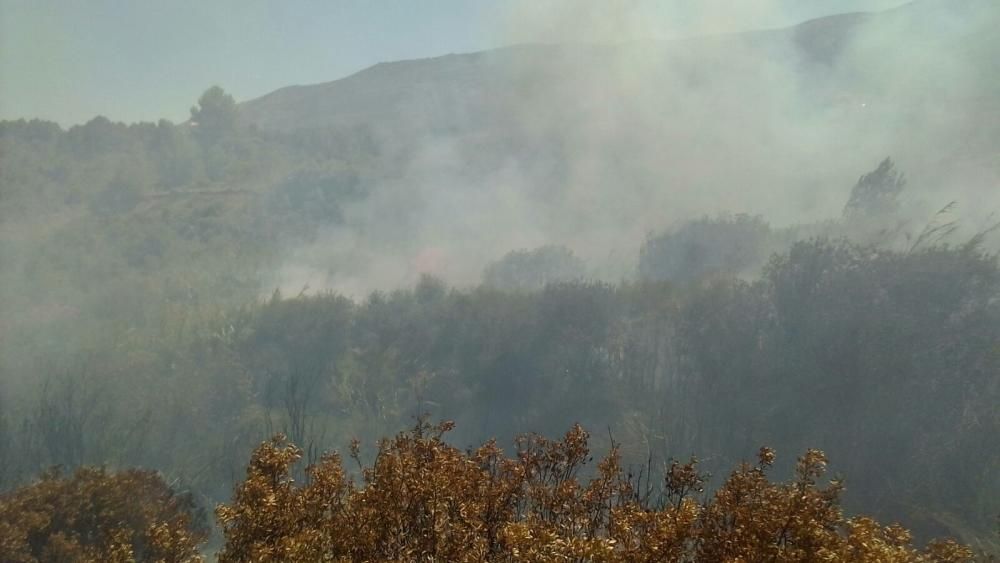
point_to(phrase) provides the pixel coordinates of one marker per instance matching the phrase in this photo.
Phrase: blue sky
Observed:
(130, 60)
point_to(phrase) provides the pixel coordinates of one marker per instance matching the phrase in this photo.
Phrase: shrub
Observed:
(725, 245)
(98, 516)
(422, 499)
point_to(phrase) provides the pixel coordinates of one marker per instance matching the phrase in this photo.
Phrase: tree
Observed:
(294, 350)
(877, 193)
(424, 500)
(727, 245)
(175, 155)
(216, 115)
(95, 515)
(534, 269)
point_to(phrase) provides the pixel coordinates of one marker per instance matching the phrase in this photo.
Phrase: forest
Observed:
(143, 353)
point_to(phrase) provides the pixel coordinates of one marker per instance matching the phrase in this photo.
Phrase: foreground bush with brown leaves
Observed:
(97, 516)
(422, 499)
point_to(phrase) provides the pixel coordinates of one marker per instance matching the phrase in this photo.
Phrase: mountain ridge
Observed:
(468, 82)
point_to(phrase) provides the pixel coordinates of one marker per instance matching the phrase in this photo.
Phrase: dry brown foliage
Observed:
(97, 516)
(423, 499)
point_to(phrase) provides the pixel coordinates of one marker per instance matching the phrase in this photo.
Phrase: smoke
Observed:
(601, 129)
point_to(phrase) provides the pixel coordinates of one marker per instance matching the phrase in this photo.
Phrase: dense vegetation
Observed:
(883, 359)
(424, 500)
(132, 331)
(95, 516)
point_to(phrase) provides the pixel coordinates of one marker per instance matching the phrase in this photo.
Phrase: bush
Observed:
(726, 245)
(529, 270)
(422, 499)
(98, 516)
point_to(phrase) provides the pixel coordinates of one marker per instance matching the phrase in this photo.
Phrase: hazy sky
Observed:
(69, 60)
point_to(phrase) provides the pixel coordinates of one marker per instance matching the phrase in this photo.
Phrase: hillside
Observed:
(699, 245)
(445, 89)
(825, 99)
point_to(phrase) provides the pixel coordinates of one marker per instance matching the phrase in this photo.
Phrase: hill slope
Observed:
(789, 107)
(445, 89)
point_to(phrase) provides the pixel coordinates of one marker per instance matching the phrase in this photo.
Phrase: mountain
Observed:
(457, 90)
(773, 121)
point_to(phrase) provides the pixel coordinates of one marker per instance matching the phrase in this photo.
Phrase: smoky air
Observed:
(512, 281)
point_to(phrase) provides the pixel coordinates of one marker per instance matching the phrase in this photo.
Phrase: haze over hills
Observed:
(631, 133)
(699, 244)
(471, 83)
(594, 146)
